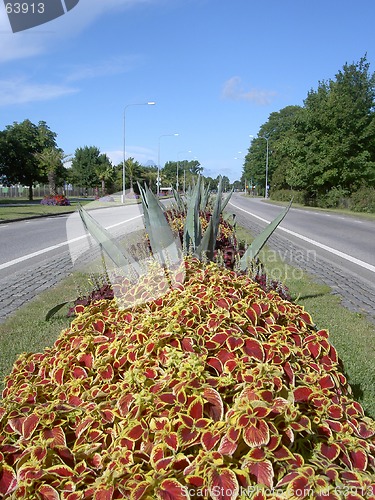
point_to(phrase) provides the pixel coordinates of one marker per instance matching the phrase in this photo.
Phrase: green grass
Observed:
(342, 211)
(352, 334)
(10, 213)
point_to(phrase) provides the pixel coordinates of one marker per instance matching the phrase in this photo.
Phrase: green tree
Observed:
(277, 129)
(169, 173)
(187, 169)
(134, 172)
(133, 169)
(339, 130)
(20, 145)
(148, 175)
(51, 161)
(226, 183)
(328, 144)
(90, 168)
(105, 172)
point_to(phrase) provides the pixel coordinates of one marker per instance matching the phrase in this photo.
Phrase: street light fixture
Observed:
(158, 178)
(266, 137)
(149, 103)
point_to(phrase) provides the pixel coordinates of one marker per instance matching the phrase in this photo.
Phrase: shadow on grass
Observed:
(311, 296)
(357, 391)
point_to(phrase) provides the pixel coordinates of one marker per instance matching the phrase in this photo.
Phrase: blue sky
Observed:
(215, 68)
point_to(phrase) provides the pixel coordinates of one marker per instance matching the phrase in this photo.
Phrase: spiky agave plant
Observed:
(204, 234)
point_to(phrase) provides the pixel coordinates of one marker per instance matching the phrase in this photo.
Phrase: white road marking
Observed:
(54, 247)
(345, 256)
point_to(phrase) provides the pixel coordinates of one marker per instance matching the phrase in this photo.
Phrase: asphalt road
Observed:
(28, 242)
(339, 249)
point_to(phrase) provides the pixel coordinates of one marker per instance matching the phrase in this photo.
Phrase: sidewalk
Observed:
(25, 286)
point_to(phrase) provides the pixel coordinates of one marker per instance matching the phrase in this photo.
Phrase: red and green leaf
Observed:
(171, 489)
(223, 484)
(8, 479)
(256, 434)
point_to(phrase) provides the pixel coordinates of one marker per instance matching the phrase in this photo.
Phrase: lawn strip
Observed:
(10, 213)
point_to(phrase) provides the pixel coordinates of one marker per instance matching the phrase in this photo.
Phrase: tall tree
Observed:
(20, 145)
(326, 144)
(52, 160)
(149, 176)
(87, 164)
(187, 170)
(340, 130)
(105, 172)
(132, 168)
(276, 129)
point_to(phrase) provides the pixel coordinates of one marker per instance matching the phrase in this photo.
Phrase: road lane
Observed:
(347, 234)
(300, 242)
(34, 255)
(24, 241)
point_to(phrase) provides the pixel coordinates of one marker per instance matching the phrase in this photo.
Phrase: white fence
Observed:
(41, 190)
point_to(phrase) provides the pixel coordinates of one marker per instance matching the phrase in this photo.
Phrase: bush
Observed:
(335, 198)
(215, 385)
(299, 197)
(363, 200)
(57, 199)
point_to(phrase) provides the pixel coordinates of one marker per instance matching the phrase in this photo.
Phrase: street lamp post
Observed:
(158, 178)
(251, 179)
(149, 103)
(241, 158)
(178, 166)
(266, 137)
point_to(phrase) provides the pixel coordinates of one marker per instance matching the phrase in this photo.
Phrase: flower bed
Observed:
(216, 390)
(57, 199)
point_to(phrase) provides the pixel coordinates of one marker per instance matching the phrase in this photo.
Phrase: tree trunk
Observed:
(31, 192)
(52, 183)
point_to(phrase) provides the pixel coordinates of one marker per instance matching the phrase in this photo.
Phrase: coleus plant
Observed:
(216, 390)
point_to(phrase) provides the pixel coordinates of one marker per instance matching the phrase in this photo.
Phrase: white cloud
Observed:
(114, 66)
(233, 90)
(20, 91)
(142, 155)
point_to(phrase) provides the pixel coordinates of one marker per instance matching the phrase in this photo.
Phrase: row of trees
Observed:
(29, 154)
(325, 146)
(88, 165)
